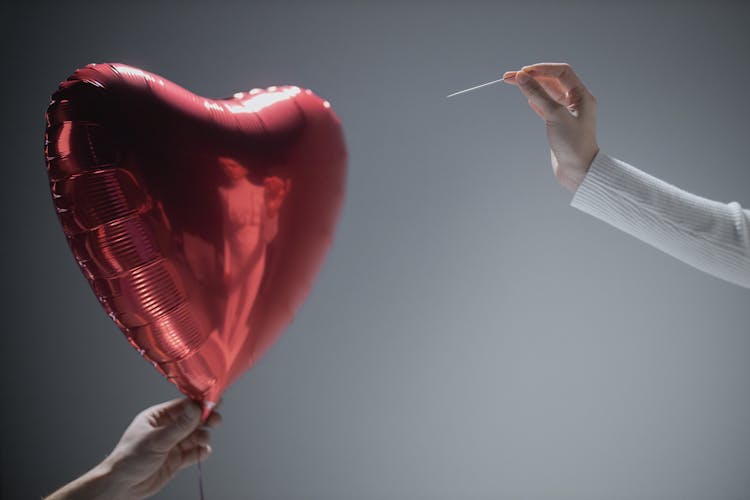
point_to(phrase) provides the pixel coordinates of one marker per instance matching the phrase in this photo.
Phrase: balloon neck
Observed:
(208, 407)
(211, 398)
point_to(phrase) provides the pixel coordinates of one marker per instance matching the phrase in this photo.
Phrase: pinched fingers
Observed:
(171, 422)
(559, 71)
(191, 449)
(576, 93)
(199, 438)
(194, 455)
(551, 86)
(545, 105)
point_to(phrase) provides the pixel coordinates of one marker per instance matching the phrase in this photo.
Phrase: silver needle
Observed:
(474, 88)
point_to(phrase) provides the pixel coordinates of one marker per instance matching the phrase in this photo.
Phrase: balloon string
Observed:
(200, 478)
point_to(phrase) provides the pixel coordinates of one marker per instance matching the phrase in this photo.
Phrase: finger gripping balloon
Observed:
(199, 223)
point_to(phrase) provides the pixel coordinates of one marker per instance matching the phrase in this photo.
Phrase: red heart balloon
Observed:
(199, 223)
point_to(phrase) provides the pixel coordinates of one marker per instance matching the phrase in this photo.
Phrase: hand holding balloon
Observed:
(559, 97)
(159, 442)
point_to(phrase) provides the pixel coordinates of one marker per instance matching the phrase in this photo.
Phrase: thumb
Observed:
(174, 421)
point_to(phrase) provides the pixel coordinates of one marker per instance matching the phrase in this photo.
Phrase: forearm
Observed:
(96, 484)
(711, 236)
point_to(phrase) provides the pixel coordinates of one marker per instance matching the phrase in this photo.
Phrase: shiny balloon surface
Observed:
(199, 223)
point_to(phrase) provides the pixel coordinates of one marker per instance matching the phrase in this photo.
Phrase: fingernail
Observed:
(508, 75)
(522, 77)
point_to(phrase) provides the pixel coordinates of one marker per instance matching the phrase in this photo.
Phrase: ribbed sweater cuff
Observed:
(709, 235)
(610, 182)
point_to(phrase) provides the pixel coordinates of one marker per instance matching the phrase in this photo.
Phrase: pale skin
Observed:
(558, 96)
(159, 442)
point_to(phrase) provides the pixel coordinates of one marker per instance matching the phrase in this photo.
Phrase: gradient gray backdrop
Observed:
(471, 336)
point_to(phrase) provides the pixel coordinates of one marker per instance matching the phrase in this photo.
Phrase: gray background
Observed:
(471, 335)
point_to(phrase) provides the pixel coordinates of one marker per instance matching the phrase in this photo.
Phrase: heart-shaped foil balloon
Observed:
(199, 223)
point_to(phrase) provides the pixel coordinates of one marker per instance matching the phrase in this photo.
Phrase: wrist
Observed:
(583, 170)
(107, 478)
(98, 483)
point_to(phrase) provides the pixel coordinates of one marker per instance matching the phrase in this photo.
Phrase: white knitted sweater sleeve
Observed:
(711, 236)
